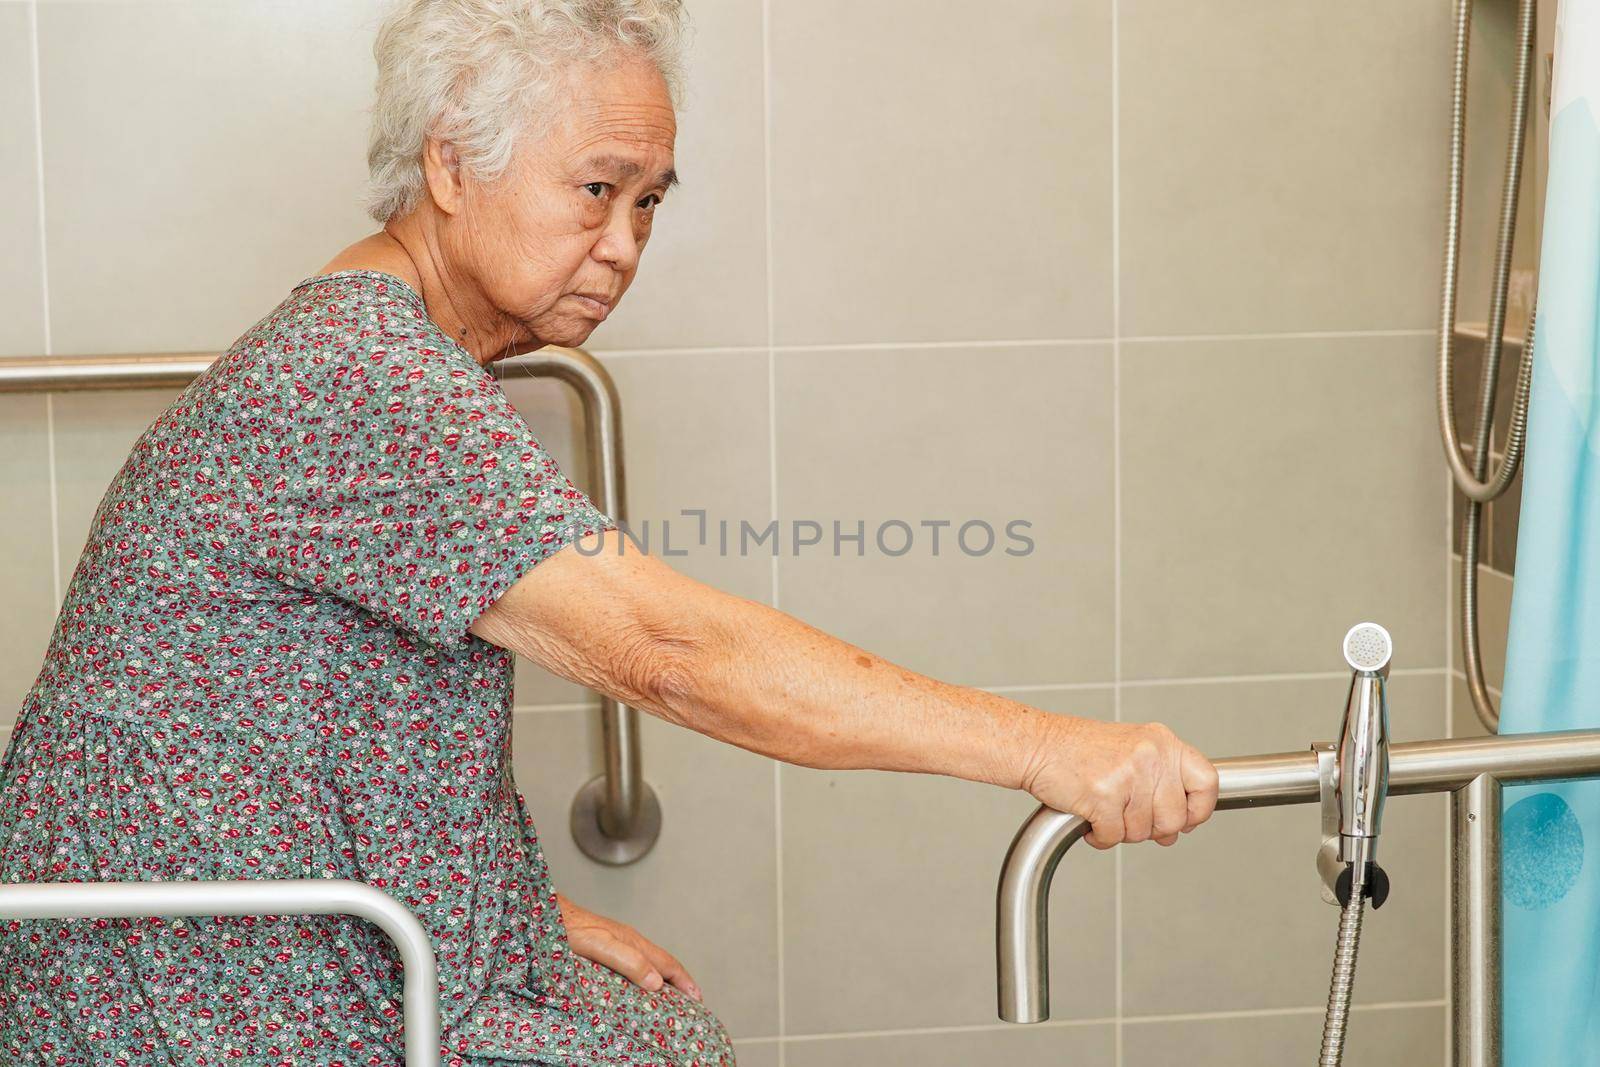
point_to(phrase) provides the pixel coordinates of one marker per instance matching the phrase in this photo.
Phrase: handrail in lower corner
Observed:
(264, 896)
(616, 817)
(1470, 769)
(1446, 765)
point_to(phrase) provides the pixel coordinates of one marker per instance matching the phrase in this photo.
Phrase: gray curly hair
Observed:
(479, 74)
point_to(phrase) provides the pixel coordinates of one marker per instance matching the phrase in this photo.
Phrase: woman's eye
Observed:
(597, 188)
(649, 202)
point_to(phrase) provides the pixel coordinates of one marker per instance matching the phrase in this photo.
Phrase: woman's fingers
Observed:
(1160, 810)
(1131, 781)
(643, 962)
(1200, 784)
(1106, 829)
(1170, 807)
(624, 957)
(623, 949)
(1138, 816)
(671, 969)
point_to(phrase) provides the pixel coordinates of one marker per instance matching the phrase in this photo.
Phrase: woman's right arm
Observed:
(626, 624)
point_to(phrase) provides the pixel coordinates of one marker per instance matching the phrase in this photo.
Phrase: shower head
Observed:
(1363, 782)
(1367, 648)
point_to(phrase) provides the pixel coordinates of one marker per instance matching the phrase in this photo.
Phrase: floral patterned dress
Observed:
(262, 669)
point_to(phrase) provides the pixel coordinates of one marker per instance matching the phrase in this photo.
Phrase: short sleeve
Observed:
(406, 483)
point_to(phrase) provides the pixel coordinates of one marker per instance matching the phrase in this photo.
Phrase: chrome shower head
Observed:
(1368, 648)
(1363, 782)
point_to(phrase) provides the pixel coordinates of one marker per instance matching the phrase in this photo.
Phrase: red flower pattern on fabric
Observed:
(262, 669)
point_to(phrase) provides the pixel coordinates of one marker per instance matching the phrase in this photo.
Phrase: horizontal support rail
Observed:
(264, 896)
(1022, 920)
(60, 374)
(616, 817)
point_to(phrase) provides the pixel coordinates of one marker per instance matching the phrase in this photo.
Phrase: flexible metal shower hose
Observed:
(1344, 975)
(1472, 482)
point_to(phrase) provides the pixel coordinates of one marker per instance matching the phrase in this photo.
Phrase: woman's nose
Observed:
(618, 247)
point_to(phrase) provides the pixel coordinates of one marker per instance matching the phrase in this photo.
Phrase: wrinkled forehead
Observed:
(620, 108)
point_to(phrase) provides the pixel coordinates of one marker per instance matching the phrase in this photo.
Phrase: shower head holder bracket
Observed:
(1329, 868)
(1375, 886)
(1334, 873)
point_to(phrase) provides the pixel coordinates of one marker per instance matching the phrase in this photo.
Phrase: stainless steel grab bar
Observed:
(265, 896)
(616, 817)
(1470, 769)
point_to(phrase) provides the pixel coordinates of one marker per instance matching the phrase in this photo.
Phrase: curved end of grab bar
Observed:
(262, 896)
(577, 368)
(1022, 912)
(1021, 926)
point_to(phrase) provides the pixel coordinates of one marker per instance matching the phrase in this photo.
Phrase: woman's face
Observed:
(554, 243)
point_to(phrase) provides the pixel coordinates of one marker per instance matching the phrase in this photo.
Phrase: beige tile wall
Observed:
(1157, 278)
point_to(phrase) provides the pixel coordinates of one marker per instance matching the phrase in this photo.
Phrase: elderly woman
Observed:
(286, 651)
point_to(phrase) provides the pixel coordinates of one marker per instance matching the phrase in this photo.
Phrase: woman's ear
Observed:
(441, 166)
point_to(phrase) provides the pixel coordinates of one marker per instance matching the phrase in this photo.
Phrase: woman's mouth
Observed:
(599, 307)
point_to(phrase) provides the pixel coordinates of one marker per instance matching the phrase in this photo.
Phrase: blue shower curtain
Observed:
(1551, 894)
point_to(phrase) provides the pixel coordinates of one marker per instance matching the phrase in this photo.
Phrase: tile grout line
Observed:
(44, 297)
(1288, 335)
(1461, 676)
(38, 155)
(1024, 342)
(772, 483)
(1269, 1013)
(1118, 868)
(872, 346)
(1232, 679)
(1105, 1020)
(706, 350)
(1285, 676)
(971, 1028)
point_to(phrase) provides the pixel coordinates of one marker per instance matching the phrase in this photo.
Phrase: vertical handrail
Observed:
(262, 896)
(1475, 922)
(616, 817)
